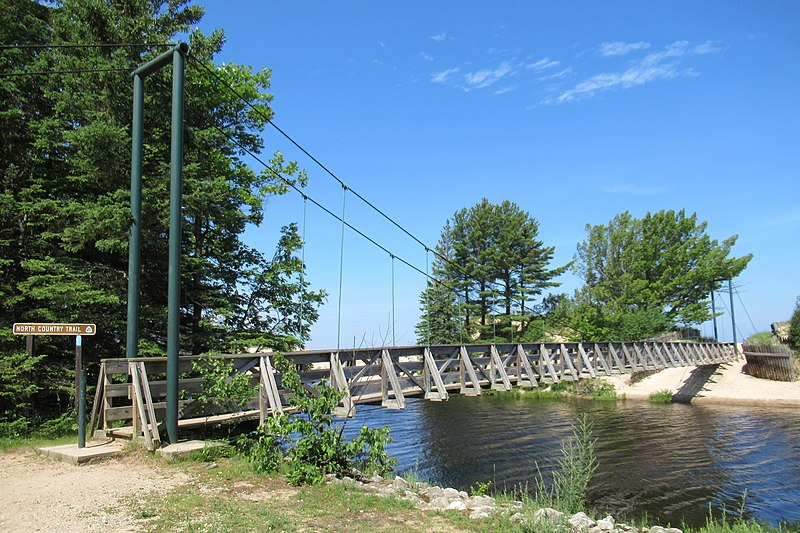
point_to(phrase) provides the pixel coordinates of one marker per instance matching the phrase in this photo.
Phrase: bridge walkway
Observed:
(130, 397)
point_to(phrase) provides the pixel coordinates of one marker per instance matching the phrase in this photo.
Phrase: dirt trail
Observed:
(42, 494)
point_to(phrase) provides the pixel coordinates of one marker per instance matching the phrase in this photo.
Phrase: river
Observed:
(668, 462)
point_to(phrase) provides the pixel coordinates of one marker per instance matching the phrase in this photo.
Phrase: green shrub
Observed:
(794, 327)
(661, 396)
(222, 385)
(307, 441)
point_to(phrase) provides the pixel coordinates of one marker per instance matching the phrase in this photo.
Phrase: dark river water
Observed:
(670, 462)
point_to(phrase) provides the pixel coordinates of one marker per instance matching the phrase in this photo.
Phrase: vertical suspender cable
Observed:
(428, 285)
(460, 329)
(494, 321)
(301, 316)
(341, 272)
(394, 341)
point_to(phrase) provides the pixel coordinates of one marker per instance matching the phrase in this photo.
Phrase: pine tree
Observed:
(497, 268)
(64, 193)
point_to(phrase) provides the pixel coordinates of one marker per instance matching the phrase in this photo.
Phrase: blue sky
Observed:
(576, 111)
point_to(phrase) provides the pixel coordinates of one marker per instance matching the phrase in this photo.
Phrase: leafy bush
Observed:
(221, 384)
(306, 439)
(794, 327)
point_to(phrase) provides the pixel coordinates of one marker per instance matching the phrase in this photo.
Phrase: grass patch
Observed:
(593, 389)
(661, 396)
(35, 441)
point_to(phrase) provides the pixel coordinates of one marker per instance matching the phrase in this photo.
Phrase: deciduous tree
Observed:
(656, 271)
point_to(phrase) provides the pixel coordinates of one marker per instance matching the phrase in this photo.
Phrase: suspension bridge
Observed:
(137, 397)
(131, 394)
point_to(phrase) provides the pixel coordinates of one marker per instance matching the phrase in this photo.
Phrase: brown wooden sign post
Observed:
(36, 328)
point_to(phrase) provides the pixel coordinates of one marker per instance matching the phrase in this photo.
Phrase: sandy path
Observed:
(725, 383)
(41, 494)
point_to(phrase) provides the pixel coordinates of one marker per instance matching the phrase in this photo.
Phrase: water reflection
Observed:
(668, 461)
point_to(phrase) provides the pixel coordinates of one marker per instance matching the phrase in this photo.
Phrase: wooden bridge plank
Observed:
(432, 370)
(586, 361)
(466, 368)
(522, 357)
(544, 356)
(567, 358)
(387, 371)
(500, 368)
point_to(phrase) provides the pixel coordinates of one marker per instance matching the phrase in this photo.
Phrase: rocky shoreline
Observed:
(431, 497)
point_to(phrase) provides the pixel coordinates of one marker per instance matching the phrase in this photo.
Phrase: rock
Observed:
(212, 466)
(439, 502)
(674, 530)
(657, 529)
(581, 521)
(457, 505)
(433, 492)
(479, 515)
(453, 493)
(547, 514)
(517, 518)
(481, 501)
(605, 524)
(400, 483)
(376, 479)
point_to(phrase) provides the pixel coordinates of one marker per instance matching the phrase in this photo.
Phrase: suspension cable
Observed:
(394, 341)
(341, 271)
(303, 269)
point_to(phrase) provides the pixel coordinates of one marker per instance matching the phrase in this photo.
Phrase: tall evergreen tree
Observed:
(495, 271)
(64, 193)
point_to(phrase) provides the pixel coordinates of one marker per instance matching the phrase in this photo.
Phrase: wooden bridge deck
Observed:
(132, 392)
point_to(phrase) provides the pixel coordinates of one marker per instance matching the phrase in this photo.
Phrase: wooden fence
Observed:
(770, 361)
(131, 394)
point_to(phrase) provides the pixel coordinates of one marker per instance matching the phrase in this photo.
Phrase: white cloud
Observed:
(439, 37)
(708, 47)
(635, 190)
(655, 66)
(619, 48)
(426, 56)
(543, 64)
(486, 77)
(444, 75)
(505, 90)
(556, 75)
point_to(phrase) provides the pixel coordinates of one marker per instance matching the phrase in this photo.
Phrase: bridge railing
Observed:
(132, 392)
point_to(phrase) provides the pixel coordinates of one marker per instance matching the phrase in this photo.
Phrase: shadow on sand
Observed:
(692, 387)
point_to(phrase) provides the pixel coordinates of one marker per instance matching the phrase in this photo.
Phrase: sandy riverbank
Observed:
(726, 383)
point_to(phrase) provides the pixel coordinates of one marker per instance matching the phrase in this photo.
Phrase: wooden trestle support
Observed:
(130, 400)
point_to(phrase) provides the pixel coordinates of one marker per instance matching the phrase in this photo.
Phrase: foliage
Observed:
(65, 201)
(794, 327)
(661, 396)
(596, 389)
(575, 469)
(18, 385)
(762, 337)
(489, 268)
(481, 488)
(221, 384)
(649, 273)
(306, 438)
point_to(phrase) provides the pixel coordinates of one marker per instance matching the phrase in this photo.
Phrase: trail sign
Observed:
(54, 329)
